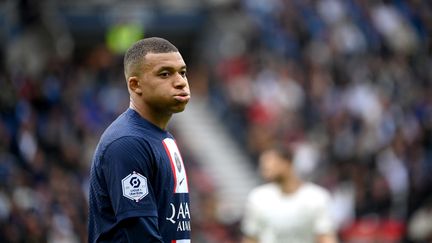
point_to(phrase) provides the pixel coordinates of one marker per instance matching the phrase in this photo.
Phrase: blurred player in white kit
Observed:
(286, 209)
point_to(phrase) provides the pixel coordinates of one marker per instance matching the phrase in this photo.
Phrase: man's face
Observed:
(272, 166)
(165, 88)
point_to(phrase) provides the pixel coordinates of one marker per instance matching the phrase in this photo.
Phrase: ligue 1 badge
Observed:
(134, 186)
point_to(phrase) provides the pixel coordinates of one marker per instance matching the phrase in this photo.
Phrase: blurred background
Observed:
(349, 82)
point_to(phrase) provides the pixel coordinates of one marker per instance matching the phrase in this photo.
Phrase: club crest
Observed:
(177, 162)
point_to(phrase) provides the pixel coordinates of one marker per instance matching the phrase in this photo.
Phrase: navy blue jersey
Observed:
(138, 185)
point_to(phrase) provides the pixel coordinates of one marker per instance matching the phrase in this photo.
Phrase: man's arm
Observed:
(142, 229)
(251, 224)
(124, 160)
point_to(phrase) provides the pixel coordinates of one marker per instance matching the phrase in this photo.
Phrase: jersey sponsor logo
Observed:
(134, 186)
(180, 215)
(177, 166)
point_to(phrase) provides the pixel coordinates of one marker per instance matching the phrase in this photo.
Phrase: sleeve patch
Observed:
(134, 186)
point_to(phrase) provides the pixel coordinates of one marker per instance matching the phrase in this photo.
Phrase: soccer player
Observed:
(286, 209)
(138, 184)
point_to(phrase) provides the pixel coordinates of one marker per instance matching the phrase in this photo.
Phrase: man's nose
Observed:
(180, 81)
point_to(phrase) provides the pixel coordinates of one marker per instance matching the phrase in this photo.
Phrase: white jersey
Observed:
(272, 216)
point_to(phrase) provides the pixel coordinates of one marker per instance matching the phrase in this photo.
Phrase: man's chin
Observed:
(179, 108)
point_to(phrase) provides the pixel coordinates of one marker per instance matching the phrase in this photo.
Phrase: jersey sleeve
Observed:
(140, 230)
(250, 225)
(324, 223)
(128, 166)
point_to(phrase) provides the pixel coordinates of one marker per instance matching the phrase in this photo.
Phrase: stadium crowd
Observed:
(348, 82)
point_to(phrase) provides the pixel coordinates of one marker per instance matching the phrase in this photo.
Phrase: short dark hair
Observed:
(134, 56)
(285, 151)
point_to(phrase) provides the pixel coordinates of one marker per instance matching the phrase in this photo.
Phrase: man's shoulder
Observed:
(264, 190)
(123, 127)
(315, 191)
(119, 131)
(114, 132)
(313, 187)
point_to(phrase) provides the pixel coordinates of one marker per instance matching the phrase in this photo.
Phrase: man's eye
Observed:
(183, 73)
(164, 74)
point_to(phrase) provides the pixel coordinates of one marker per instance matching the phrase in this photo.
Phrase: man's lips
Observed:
(182, 97)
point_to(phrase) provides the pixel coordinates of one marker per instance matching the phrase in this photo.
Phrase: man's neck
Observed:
(290, 185)
(158, 120)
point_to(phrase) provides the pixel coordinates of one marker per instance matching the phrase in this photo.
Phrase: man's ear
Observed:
(134, 85)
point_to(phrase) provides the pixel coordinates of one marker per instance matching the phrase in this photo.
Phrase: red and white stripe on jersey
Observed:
(180, 241)
(177, 167)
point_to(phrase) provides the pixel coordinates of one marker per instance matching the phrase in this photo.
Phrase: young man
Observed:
(138, 184)
(286, 209)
